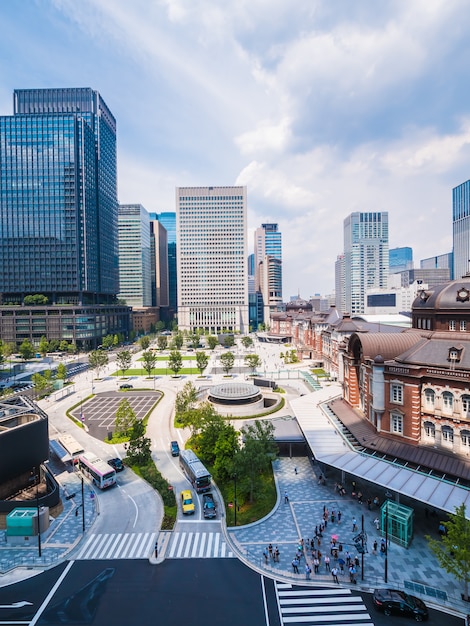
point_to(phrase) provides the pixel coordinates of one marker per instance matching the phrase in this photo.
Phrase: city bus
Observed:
(98, 471)
(197, 474)
(71, 446)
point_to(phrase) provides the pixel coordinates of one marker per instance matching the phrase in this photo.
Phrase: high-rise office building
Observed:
(400, 259)
(339, 284)
(168, 220)
(268, 268)
(366, 262)
(212, 258)
(159, 263)
(59, 215)
(135, 278)
(461, 229)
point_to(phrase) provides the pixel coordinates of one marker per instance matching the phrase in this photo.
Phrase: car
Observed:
(208, 506)
(175, 449)
(187, 502)
(396, 602)
(126, 386)
(116, 464)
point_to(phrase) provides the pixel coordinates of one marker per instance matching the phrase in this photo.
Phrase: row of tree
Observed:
(246, 454)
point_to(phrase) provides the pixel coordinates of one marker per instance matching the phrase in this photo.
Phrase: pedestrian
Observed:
(295, 565)
(270, 550)
(359, 497)
(308, 571)
(356, 561)
(352, 574)
(265, 554)
(377, 523)
(339, 517)
(374, 548)
(369, 504)
(340, 547)
(276, 554)
(295, 471)
(155, 549)
(347, 556)
(316, 565)
(316, 531)
(320, 479)
(318, 542)
(286, 497)
(334, 573)
(353, 485)
(354, 525)
(332, 517)
(327, 563)
(312, 542)
(383, 546)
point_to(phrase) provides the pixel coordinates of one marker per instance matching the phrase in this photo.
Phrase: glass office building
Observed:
(59, 218)
(58, 194)
(461, 229)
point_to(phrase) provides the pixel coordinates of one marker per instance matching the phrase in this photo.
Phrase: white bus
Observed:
(97, 470)
(71, 446)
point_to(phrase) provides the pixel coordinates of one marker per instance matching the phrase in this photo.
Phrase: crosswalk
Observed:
(320, 607)
(118, 546)
(197, 545)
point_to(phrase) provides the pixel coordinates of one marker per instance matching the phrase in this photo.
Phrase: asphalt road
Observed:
(196, 592)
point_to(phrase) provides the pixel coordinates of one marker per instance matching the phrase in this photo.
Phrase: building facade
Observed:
(159, 263)
(58, 193)
(168, 221)
(366, 257)
(400, 259)
(461, 229)
(212, 259)
(268, 268)
(135, 278)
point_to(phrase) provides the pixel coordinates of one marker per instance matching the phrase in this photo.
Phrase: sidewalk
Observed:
(290, 522)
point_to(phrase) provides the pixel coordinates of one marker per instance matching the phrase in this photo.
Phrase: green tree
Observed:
(36, 300)
(255, 456)
(144, 342)
(64, 346)
(97, 359)
(162, 342)
(212, 342)
(149, 360)
(175, 361)
(226, 449)
(227, 359)
(43, 346)
(42, 383)
(193, 340)
(229, 341)
(195, 417)
(62, 372)
(125, 419)
(185, 399)
(252, 361)
(138, 451)
(124, 360)
(201, 360)
(107, 342)
(8, 349)
(26, 350)
(116, 341)
(247, 342)
(178, 340)
(54, 345)
(453, 549)
(72, 348)
(160, 326)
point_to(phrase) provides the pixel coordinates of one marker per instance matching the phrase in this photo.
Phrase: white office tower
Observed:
(135, 284)
(366, 258)
(211, 232)
(461, 229)
(268, 268)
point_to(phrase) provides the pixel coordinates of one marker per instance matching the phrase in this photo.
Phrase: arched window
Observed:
(465, 399)
(447, 435)
(447, 402)
(429, 398)
(465, 438)
(429, 430)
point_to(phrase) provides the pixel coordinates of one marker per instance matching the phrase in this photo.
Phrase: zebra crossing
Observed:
(118, 546)
(320, 607)
(197, 545)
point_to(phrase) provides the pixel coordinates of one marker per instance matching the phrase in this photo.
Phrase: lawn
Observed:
(158, 371)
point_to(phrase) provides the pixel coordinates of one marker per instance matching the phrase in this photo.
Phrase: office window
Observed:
(396, 393)
(447, 402)
(429, 399)
(396, 423)
(447, 435)
(429, 430)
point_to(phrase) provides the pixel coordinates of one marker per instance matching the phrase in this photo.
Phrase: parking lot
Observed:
(99, 413)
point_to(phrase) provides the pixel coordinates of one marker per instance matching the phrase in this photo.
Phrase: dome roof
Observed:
(299, 304)
(453, 296)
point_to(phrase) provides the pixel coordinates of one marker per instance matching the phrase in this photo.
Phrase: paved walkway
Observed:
(289, 522)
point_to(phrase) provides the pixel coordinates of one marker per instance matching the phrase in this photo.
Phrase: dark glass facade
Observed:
(58, 197)
(168, 220)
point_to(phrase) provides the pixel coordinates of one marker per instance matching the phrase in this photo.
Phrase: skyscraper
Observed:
(212, 258)
(135, 279)
(168, 220)
(366, 261)
(400, 259)
(58, 192)
(461, 229)
(268, 268)
(59, 217)
(159, 262)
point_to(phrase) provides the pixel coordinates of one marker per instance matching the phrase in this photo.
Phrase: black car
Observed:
(125, 386)
(396, 602)
(175, 449)
(116, 464)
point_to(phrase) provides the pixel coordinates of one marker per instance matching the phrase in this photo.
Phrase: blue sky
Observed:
(319, 107)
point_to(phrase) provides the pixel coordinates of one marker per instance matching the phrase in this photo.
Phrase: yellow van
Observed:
(187, 503)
